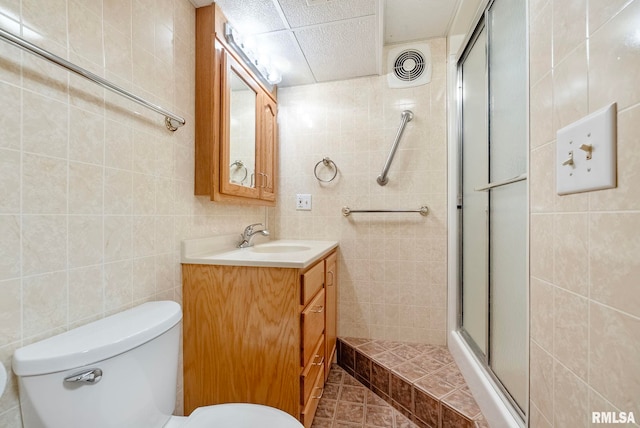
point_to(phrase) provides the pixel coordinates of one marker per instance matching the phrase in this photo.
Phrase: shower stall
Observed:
(488, 288)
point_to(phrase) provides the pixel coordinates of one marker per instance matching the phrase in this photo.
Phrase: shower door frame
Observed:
(494, 400)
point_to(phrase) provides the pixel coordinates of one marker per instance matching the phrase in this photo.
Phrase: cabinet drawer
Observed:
(310, 407)
(310, 372)
(312, 281)
(312, 326)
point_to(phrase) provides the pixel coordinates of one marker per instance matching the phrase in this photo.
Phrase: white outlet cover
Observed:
(597, 130)
(303, 202)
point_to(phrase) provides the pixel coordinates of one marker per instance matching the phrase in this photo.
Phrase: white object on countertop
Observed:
(3, 378)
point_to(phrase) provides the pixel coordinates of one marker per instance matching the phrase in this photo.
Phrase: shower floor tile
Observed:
(395, 385)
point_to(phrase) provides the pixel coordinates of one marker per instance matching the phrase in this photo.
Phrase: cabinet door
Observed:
(239, 150)
(236, 129)
(269, 146)
(331, 281)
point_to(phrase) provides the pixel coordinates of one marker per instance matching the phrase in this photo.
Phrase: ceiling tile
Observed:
(342, 50)
(300, 14)
(284, 52)
(408, 20)
(335, 39)
(252, 16)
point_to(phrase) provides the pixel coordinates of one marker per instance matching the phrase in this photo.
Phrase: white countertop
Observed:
(284, 253)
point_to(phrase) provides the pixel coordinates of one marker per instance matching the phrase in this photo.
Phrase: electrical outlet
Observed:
(303, 202)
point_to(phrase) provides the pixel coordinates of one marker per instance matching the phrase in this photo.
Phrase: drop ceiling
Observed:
(314, 41)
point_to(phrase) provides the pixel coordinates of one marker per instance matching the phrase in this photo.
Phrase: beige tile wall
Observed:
(392, 267)
(585, 270)
(95, 193)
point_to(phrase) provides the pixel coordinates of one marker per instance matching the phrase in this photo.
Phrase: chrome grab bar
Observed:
(406, 116)
(423, 210)
(171, 120)
(495, 184)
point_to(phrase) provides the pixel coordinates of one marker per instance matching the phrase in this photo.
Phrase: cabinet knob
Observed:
(317, 309)
(321, 362)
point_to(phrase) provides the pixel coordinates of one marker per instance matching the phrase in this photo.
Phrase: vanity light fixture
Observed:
(267, 74)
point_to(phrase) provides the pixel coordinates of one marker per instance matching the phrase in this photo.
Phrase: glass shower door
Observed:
(493, 197)
(475, 317)
(508, 215)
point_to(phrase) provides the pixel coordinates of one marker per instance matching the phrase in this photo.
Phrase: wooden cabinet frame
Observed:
(214, 59)
(331, 305)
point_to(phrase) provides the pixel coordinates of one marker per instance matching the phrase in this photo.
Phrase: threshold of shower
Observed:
(421, 381)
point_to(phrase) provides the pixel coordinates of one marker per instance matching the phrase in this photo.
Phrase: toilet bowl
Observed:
(121, 372)
(235, 415)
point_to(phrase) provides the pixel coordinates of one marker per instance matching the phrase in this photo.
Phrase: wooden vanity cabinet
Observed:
(258, 335)
(331, 295)
(236, 134)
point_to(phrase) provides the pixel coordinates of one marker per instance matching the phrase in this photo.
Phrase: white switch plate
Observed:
(580, 174)
(303, 202)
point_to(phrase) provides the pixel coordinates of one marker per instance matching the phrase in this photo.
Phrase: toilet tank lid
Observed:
(98, 340)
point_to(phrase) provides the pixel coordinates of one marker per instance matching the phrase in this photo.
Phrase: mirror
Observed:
(242, 132)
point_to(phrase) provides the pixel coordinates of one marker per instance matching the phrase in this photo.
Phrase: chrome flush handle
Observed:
(91, 376)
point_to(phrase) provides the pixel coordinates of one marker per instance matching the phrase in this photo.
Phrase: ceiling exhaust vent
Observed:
(409, 65)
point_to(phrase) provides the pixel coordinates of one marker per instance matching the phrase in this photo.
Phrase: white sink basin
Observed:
(282, 253)
(279, 248)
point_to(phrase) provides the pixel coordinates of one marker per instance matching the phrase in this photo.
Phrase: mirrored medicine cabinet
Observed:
(236, 121)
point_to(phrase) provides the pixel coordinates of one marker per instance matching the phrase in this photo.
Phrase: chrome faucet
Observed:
(249, 233)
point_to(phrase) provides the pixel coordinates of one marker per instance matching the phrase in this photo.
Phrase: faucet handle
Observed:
(251, 226)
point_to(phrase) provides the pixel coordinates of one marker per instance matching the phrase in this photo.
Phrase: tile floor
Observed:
(394, 384)
(346, 403)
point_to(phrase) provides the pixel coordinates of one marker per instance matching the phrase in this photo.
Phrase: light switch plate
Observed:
(586, 153)
(303, 202)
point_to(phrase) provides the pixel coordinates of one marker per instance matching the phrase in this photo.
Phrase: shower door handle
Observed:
(495, 184)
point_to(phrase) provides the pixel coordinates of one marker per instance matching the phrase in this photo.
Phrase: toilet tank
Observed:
(136, 352)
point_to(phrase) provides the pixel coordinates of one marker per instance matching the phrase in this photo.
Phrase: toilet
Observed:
(120, 372)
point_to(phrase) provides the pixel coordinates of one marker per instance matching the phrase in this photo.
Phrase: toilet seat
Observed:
(240, 415)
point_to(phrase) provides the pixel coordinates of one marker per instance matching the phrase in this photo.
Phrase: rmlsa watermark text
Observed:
(612, 418)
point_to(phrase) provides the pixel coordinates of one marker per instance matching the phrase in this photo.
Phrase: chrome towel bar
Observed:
(423, 210)
(171, 120)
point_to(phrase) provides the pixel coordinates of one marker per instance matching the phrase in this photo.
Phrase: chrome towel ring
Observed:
(329, 164)
(240, 165)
